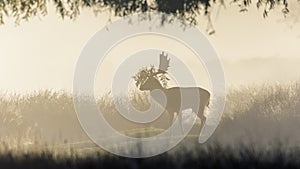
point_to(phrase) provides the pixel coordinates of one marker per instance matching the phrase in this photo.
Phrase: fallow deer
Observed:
(148, 80)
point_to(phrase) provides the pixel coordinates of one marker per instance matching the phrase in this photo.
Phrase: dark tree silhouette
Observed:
(187, 10)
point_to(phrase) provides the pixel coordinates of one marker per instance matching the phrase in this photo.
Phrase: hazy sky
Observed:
(42, 53)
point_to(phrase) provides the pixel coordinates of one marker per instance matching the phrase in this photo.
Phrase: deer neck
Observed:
(158, 87)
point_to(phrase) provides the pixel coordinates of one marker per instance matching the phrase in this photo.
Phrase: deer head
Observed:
(148, 79)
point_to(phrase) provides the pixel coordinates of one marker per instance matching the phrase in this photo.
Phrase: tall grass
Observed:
(260, 128)
(262, 114)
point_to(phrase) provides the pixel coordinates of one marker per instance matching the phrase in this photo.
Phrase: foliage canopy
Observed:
(187, 10)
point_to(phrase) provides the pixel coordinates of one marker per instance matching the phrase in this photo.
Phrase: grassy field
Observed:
(259, 129)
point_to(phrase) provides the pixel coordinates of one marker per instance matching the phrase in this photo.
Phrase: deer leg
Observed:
(180, 122)
(171, 114)
(203, 120)
(171, 117)
(201, 116)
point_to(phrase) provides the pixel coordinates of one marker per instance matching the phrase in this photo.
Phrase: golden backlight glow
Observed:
(41, 53)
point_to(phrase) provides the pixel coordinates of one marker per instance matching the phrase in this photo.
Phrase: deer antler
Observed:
(144, 73)
(164, 63)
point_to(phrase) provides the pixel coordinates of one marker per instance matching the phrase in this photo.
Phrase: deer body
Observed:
(175, 95)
